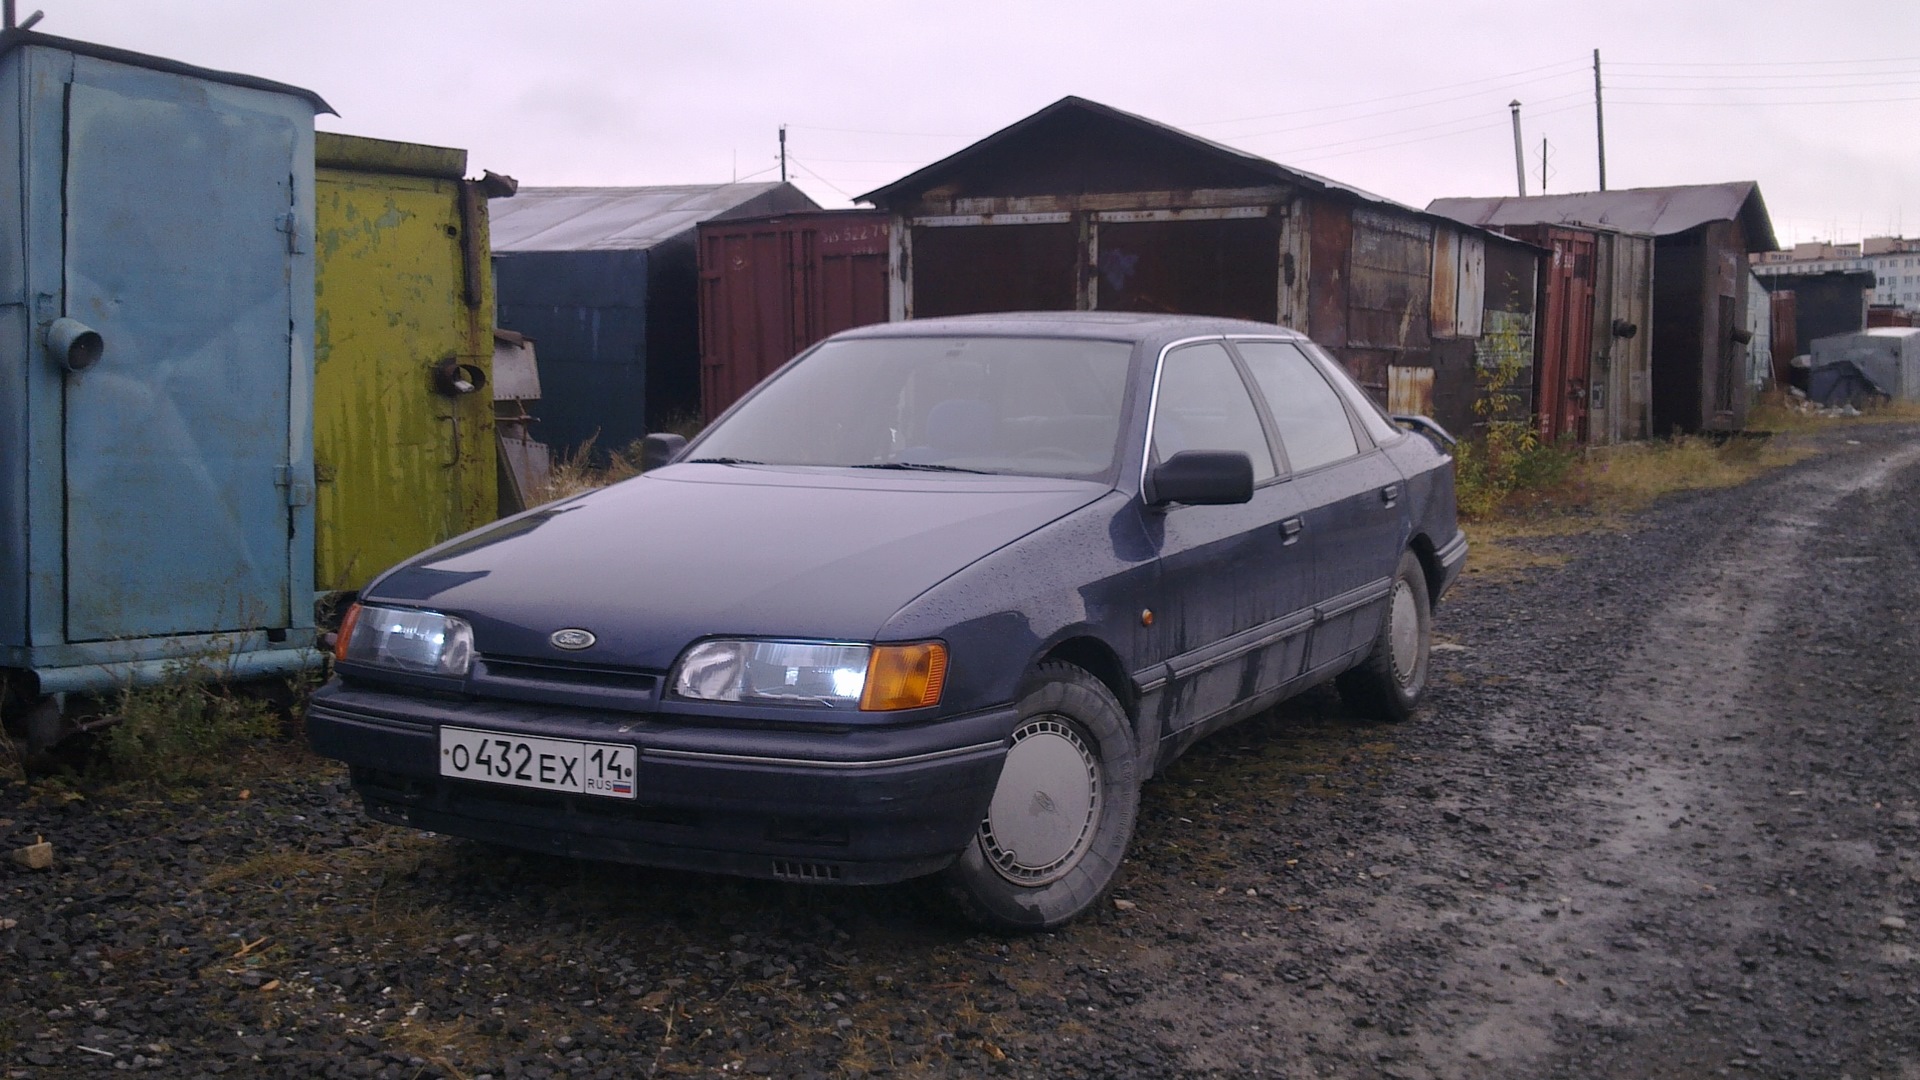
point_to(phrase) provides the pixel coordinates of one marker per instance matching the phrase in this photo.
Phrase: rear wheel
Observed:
(1389, 683)
(1062, 814)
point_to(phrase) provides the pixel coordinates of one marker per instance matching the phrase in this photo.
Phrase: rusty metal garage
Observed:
(1082, 206)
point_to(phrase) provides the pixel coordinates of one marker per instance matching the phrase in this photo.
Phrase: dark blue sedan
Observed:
(937, 597)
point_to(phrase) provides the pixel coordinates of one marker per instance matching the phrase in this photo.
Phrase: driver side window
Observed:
(1204, 405)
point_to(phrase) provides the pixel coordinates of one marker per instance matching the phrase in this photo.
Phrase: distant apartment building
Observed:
(1894, 262)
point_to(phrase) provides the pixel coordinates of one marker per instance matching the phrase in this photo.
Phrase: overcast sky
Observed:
(1817, 102)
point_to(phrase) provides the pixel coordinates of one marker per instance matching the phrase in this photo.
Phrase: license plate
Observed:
(496, 757)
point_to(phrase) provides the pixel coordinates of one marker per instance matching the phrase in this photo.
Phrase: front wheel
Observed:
(1062, 813)
(1389, 683)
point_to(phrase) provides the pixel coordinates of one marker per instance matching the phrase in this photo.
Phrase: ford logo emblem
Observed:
(572, 638)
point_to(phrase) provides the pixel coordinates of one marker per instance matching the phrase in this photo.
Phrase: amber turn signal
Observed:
(905, 676)
(346, 632)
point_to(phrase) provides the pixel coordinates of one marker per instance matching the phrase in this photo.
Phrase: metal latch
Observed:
(290, 224)
(298, 489)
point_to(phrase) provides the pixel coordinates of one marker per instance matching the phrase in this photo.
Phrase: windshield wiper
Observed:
(720, 461)
(916, 466)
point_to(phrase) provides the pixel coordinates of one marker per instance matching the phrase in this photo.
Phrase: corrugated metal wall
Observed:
(770, 287)
(402, 461)
(587, 312)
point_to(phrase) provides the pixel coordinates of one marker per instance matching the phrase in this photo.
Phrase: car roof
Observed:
(1108, 325)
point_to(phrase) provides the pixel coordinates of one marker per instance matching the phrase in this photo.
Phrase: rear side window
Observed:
(1313, 423)
(1203, 405)
(1372, 417)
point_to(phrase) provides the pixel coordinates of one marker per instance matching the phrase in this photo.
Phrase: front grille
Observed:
(516, 678)
(514, 667)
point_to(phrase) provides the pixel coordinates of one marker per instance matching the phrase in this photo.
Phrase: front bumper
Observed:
(1452, 559)
(853, 807)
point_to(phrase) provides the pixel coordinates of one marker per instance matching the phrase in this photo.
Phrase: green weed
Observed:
(184, 728)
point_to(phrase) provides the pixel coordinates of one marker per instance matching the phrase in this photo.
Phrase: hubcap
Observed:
(1406, 633)
(1041, 819)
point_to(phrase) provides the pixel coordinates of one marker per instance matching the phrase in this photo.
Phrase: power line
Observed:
(1428, 138)
(1424, 127)
(871, 161)
(1767, 89)
(1385, 112)
(798, 164)
(1773, 104)
(762, 172)
(1759, 63)
(1384, 97)
(867, 131)
(1774, 77)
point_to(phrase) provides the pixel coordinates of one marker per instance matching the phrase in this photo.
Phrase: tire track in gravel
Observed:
(1564, 864)
(1651, 849)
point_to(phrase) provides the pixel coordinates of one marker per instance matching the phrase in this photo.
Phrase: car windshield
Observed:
(1037, 406)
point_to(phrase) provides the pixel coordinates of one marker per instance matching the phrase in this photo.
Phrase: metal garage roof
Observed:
(618, 218)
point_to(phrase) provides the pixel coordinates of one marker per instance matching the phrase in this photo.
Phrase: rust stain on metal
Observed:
(1391, 267)
(1332, 228)
(1410, 390)
(1446, 269)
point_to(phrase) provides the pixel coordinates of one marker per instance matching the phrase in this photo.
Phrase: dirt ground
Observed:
(1660, 818)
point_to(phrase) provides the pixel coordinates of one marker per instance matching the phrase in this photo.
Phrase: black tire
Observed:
(1389, 683)
(1081, 833)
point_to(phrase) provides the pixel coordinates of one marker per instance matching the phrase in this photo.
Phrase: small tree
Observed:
(1487, 465)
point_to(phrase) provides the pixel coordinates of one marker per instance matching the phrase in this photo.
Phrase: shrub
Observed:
(1507, 454)
(185, 727)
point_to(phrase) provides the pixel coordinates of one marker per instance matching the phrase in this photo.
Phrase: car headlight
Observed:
(423, 642)
(874, 678)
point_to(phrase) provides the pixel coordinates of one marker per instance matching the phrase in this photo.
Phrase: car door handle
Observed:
(1390, 494)
(1290, 530)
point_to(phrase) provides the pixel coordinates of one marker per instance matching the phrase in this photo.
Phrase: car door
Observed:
(1353, 497)
(1234, 579)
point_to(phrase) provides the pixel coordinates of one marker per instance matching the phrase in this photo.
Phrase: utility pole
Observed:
(1519, 155)
(8, 21)
(783, 153)
(1543, 164)
(1599, 120)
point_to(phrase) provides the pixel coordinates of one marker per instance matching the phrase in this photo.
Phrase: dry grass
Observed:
(1501, 551)
(1603, 485)
(1782, 414)
(583, 470)
(1571, 490)
(1628, 477)
(13, 759)
(267, 870)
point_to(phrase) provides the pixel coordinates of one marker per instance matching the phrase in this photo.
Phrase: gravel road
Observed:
(1661, 817)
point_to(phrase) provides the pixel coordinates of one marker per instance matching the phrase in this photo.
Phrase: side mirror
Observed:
(660, 449)
(1201, 478)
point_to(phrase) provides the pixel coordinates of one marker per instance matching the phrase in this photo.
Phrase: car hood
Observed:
(692, 551)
